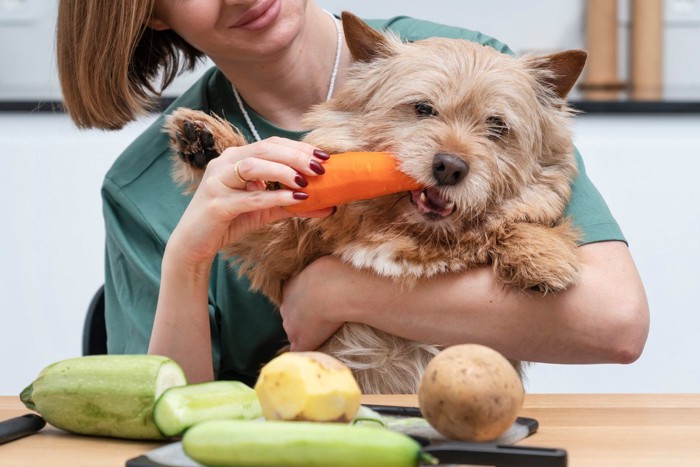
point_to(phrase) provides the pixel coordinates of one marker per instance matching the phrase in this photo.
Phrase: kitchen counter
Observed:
(595, 429)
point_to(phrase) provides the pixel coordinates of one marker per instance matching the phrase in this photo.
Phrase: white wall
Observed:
(534, 25)
(51, 239)
(646, 167)
(51, 234)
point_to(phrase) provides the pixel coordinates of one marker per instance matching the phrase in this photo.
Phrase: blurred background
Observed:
(639, 133)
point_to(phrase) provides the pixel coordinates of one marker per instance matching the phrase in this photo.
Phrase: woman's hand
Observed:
(231, 199)
(308, 307)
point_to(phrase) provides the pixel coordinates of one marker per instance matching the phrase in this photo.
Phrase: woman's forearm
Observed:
(229, 202)
(604, 318)
(181, 328)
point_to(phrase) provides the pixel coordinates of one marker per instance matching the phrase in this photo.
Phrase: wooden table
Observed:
(596, 430)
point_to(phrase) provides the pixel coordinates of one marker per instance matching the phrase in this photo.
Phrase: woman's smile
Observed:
(260, 16)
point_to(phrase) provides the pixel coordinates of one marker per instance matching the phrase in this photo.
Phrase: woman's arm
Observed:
(223, 208)
(181, 327)
(603, 318)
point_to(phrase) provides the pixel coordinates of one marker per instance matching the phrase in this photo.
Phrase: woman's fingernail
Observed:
(300, 195)
(316, 167)
(323, 155)
(300, 181)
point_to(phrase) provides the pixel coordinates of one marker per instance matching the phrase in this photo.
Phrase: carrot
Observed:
(353, 176)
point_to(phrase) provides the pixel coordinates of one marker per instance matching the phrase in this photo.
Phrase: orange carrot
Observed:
(353, 176)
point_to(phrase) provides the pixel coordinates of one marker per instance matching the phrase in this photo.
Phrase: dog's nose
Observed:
(449, 169)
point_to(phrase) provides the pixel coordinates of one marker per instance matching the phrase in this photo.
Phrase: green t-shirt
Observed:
(142, 205)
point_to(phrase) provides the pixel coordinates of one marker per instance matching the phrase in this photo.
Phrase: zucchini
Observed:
(103, 395)
(230, 443)
(181, 407)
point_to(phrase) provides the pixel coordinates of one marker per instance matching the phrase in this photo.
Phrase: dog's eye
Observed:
(497, 127)
(424, 109)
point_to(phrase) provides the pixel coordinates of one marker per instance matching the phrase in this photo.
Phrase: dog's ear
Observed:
(365, 43)
(563, 69)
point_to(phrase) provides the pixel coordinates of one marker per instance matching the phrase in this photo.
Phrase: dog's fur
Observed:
(486, 133)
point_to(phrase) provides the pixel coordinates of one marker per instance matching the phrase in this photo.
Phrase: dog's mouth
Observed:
(431, 203)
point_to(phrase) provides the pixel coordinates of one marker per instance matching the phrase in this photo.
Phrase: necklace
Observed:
(331, 86)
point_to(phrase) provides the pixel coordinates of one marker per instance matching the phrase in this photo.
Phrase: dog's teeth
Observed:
(423, 197)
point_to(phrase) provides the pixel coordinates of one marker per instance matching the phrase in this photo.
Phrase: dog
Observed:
(489, 137)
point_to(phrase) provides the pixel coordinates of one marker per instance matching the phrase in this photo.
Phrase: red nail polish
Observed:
(300, 195)
(316, 167)
(300, 181)
(323, 155)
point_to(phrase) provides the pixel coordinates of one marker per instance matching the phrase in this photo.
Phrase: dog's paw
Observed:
(193, 136)
(195, 139)
(544, 275)
(195, 144)
(537, 257)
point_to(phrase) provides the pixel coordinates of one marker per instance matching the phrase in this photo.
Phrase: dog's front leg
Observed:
(196, 138)
(535, 256)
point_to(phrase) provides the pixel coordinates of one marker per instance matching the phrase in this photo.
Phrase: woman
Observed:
(274, 59)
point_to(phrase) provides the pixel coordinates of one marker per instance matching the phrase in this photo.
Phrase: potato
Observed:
(470, 392)
(308, 386)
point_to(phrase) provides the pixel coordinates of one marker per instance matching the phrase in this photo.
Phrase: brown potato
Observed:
(470, 392)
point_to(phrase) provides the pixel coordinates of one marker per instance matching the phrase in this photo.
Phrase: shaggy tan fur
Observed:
(428, 102)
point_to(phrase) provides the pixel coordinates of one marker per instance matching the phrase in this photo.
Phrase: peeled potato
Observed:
(470, 392)
(308, 386)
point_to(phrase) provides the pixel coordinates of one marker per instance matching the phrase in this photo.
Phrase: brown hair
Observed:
(109, 60)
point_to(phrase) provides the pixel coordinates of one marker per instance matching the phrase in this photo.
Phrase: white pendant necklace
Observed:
(331, 86)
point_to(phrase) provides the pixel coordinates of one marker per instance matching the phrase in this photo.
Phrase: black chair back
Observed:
(94, 328)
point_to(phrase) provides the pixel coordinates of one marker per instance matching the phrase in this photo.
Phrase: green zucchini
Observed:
(103, 395)
(230, 443)
(181, 407)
